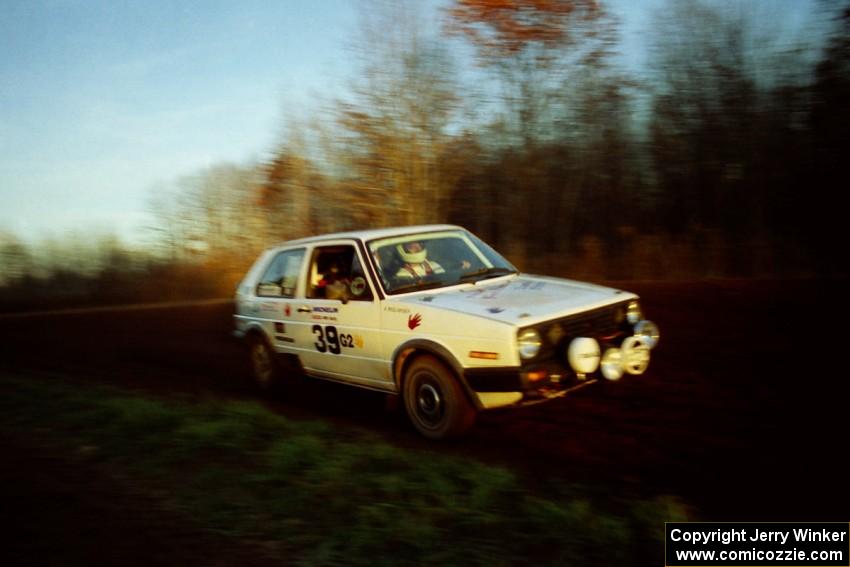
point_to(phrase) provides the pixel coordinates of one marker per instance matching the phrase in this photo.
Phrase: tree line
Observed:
(720, 155)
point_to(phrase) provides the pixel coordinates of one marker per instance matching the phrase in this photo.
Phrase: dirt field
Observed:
(742, 413)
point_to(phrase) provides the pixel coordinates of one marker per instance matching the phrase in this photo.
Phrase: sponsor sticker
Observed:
(324, 309)
(394, 309)
(532, 285)
(316, 317)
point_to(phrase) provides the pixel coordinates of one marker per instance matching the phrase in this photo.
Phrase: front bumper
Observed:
(499, 387)
(555, 373)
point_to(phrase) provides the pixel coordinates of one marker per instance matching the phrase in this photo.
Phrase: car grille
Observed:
(603, 323)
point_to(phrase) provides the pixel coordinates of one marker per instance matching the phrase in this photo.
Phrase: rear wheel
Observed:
(264, 366)
(435, 401)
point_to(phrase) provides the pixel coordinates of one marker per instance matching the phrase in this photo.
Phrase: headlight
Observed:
(528, 343)
(633, 314)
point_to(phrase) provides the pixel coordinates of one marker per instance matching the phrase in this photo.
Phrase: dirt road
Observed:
(742, 412)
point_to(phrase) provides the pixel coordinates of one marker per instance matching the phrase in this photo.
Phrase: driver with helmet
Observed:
(416, 264)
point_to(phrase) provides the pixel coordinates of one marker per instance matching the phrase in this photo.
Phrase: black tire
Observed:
(263, 363)
(435, 402)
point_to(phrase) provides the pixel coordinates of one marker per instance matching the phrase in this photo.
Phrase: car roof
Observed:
(371, 234)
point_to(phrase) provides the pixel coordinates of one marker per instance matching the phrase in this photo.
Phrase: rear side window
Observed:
(281, 277)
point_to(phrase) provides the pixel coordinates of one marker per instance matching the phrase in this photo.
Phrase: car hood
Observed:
(521, 300)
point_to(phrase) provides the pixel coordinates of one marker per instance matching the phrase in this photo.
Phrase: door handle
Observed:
(304, 309)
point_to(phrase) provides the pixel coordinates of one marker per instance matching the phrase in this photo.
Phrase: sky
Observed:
(104, 102)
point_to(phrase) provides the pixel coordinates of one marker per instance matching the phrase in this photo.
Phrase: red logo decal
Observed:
(414, 321)
(287, 310)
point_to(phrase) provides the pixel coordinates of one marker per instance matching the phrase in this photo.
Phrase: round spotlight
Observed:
(635, 355)
(612, 364)
(648, 331)
(583, 355)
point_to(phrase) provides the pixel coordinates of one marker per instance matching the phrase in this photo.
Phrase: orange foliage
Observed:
(506, 27)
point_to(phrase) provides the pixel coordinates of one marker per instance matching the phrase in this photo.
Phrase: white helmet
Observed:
(413, 257)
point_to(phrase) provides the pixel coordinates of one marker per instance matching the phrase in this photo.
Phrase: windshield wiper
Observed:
(418, 286)
(486, 273)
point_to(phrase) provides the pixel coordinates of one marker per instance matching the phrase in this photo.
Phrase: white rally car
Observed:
(433, 314)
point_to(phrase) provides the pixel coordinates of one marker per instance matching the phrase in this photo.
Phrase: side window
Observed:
(336, 273)
(281, 277)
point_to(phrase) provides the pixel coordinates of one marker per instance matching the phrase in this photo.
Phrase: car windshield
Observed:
(430, 260)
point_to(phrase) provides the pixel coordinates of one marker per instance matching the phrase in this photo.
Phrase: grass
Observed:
(317, 495)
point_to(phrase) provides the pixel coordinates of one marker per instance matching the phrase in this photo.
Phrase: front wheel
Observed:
(434, 400)
(264, 366)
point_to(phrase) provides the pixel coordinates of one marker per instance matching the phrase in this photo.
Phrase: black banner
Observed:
(693, 544)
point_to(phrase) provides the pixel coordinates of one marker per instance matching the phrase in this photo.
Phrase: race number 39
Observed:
(329, 340)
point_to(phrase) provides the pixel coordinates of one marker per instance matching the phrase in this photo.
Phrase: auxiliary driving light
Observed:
(612, 364)
(648, 331)
(635, 355)
(583, 355)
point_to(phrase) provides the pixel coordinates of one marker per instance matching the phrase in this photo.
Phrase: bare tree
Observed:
(397, 123)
